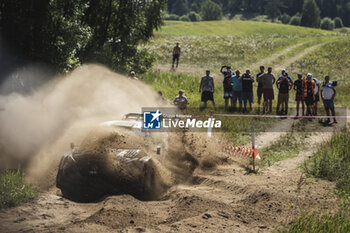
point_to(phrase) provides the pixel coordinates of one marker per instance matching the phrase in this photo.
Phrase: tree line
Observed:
(297, 12)
(66, 33)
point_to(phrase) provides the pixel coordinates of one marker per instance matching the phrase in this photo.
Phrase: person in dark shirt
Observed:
(299, 95)
(176, 55)
(259, 91)
(247, 89)
(228, 90)
(284, 85)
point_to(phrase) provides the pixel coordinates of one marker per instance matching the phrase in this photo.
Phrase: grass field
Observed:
(233, 28)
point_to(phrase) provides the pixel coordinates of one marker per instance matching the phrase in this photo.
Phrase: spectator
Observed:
(247, 89)
(328, 93)
(309, 86)
(228, 88)
(237, 90)
(284, 85)
(259, 91)
(224, 72)
(181, 101)
(267, 79)
(207, 88)
(317, 94)
(176, 55)
(132, 75)
(299, 97)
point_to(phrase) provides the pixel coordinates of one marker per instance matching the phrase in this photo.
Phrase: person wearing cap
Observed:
(283, 72)
(176, 55)
(328, 93)
(267, 79)
(247, 89)
(132, 75)
(259, 91)
(284, 86)
(181, 101)
(299, 96)
(309, 97)
(237, 90)
(207, 89)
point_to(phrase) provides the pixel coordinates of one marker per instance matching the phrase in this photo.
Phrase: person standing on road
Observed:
(267, 79)
(228, 88)
(309, 97)
(176, 55)
(237, 90)
(207, 89)
(299, 97)
(328, 93)
(247, 89)
(284, 85)
(259, 91)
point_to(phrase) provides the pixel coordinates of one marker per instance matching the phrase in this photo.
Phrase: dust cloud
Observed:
(49, 118)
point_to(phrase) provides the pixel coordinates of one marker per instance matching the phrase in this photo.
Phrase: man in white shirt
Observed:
(181, 101)
(328, 93)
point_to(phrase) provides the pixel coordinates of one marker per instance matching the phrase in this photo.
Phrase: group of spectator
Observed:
(239, 89)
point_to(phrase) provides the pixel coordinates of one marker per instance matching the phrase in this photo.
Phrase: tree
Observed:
(193, 16)
(310, 16)
(64, 33)
(180, 7)
(211, 11)
(272, 9)
(327, 24)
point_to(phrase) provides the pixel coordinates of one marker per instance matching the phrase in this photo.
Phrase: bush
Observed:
(327, 24)
(184, 18)
(13, 191)
(194, 17)
(338, 22)
(295, 20)
(285, 18)
(172, 17)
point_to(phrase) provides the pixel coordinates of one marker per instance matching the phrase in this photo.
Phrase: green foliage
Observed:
(272, 9)
(332, 161)
(338, 23)
(211, 11)
(13, 191)
(65, 33)
(327, 24)
(310, 16)
(295, 20)
(194, 17)
(316, 223)
(285, 18)
(171, 17)
(184, 18)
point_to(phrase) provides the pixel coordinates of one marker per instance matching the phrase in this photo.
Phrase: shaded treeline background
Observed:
(62, 34)
(281, 9)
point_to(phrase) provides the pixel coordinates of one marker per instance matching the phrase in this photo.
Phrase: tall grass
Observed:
(332, 162)
(13, 191)
(327, 223)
